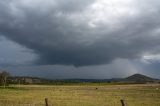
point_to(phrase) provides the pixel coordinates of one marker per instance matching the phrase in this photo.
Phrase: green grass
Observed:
(80, 95)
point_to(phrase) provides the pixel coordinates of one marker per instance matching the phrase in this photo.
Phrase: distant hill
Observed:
(140, 78)
(136, 78)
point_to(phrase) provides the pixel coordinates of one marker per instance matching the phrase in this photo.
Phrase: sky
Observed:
(94, 39)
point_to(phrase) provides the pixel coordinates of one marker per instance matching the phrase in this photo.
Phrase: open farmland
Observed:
(81, 95)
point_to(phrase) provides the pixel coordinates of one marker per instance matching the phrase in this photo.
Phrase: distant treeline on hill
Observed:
(136, 78)
(5, 79)
(35, 80)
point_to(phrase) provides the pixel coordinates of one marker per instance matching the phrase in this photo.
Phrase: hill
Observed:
(136, 78)
(140, 78)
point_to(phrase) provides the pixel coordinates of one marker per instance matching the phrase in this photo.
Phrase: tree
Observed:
(3, 78)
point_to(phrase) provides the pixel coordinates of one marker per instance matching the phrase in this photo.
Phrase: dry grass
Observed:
(86, 95)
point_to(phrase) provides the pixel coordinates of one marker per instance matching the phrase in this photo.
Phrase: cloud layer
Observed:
(82, 33)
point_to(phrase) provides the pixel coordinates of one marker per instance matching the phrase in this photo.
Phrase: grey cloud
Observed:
(72, 5)
(77, 35)
(114, 70)
(12, 54)
(148, 67)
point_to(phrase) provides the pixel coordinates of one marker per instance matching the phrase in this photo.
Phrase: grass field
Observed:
(81, 95)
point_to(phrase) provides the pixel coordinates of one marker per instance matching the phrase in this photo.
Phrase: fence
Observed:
(122, 102)
(46, 103)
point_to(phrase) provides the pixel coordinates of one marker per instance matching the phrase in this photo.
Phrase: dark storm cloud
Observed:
(114, 70)
(12, 54)
(83, 32)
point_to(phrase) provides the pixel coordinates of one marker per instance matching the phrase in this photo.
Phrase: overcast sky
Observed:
(80, 38)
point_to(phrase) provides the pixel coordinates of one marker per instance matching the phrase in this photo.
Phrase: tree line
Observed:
(3, 78)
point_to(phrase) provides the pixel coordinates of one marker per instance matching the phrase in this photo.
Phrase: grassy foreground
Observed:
(86, 95)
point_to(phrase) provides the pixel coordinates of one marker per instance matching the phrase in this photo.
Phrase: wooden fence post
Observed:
(123, 102)
(46, 101)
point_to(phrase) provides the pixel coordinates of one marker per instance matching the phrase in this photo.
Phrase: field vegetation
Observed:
(81, 95)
